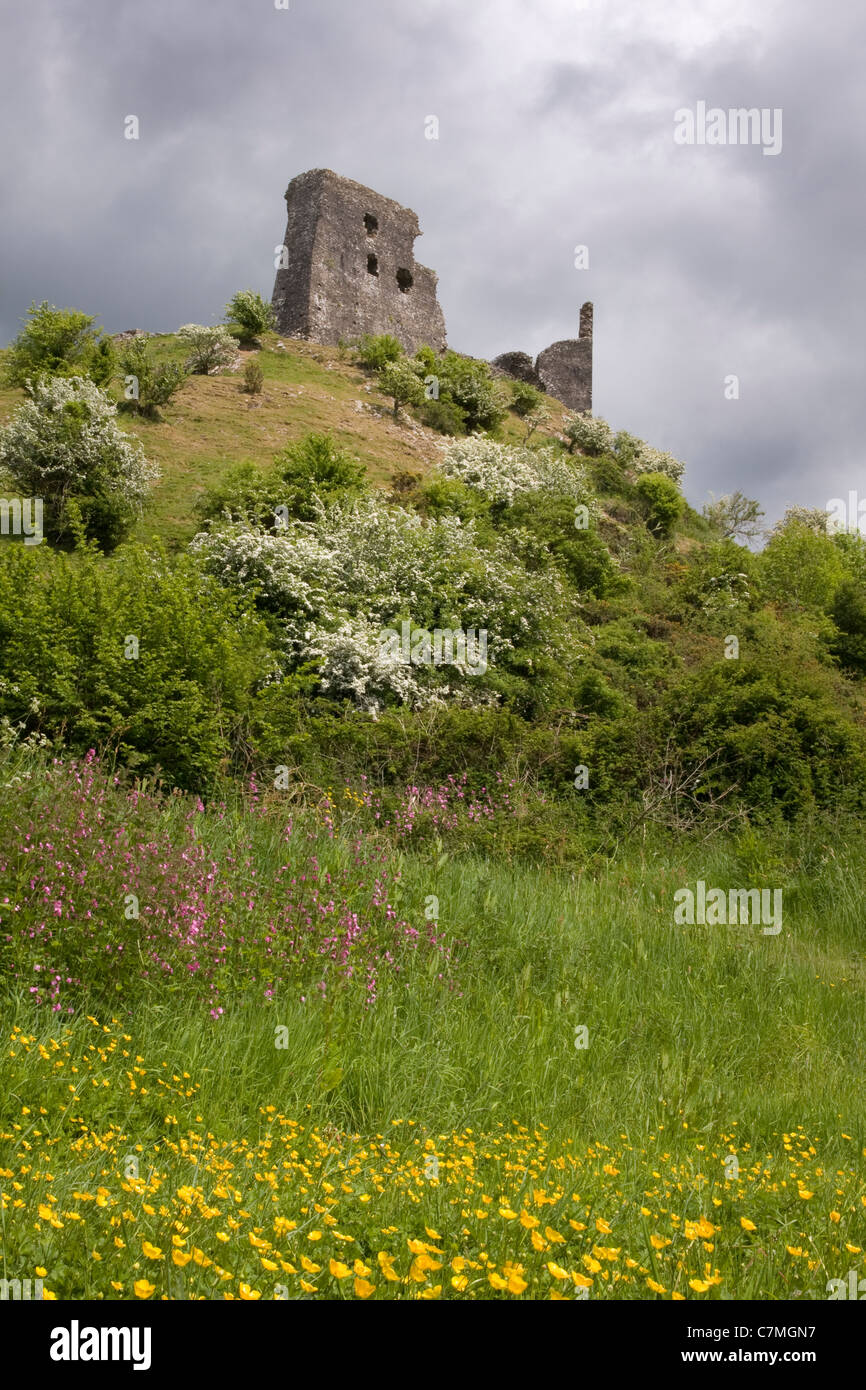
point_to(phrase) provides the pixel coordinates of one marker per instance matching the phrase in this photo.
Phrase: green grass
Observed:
(702, 1041)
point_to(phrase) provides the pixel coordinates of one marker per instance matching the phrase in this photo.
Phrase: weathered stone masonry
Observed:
(352, 270)
(563, 370)
(352, 267)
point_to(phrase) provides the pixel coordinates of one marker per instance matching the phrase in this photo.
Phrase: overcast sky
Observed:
(556, 129)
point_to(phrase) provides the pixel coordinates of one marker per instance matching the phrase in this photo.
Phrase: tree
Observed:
(735, 515)
(148, 386)
(252, 314)
(210, 348)
(662, 501)
(58, 342)
(526, 399)
(64, 446)
(400, 381)
(801, 565)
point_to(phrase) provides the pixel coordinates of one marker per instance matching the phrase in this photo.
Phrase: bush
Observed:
(400, 381)
(525, 398)
(102, 365)
(254, 378)
(308, 474)
(661, 500)
(376, 350)
(581, 554)
(503, 471)
(66, 669)
(317, 468)
(58, 342)
(64, 444)
(210, 348)
(252, 314)
(588, 433)
(333, 586)
(153, 385)
(471, 385)
(801, 565)
(849, 615)
(444, 416)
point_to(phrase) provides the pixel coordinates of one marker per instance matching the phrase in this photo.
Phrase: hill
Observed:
(391, 962)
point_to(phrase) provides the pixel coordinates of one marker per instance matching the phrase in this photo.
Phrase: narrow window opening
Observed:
(373, 264)
(405, 280)
(371, 223)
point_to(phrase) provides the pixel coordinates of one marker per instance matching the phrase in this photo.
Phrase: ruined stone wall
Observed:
(563, 370)
(352, 267)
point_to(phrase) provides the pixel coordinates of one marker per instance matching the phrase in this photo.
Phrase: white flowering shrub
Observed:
(814, 519)
(65, 441)
(650, 460)
(334, 585)
(588, 433)
(209, 348)
(504, 471)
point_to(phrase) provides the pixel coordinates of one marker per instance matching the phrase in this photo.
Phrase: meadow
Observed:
(286, 1078)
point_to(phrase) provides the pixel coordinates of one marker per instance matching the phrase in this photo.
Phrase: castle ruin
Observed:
(348, 267)
(351, 267)
(563, 370)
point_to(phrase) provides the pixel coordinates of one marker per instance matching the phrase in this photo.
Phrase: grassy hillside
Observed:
(213, 424)
(330, 973)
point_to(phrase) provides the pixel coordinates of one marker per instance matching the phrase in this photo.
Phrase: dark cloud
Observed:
(556, 128)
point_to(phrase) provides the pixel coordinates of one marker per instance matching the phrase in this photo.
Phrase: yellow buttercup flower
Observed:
(142, 1288)
(151, 1252)
(363, 1287)
(747, 1225)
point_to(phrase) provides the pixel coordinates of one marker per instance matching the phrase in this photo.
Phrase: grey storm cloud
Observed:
(556, 130)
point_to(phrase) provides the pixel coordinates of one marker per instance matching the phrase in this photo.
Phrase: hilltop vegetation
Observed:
(692, 679)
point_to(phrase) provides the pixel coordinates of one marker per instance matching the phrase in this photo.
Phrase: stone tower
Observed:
(563, 370)
(351, 267)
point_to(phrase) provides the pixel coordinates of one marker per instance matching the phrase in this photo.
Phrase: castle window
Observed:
(371, 223)
(405, 281)
(373, 264)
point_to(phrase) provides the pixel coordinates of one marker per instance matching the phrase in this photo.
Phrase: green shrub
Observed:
(661, 501)
(58, 342)
(146, 385)
(376, 350)
(252, 314)
(102, 364)
(443, 415)
(849, 615)
(401, 383)
(254, 378)
(581, 553)
(801, 566)
(525, 398)
(67, 667)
